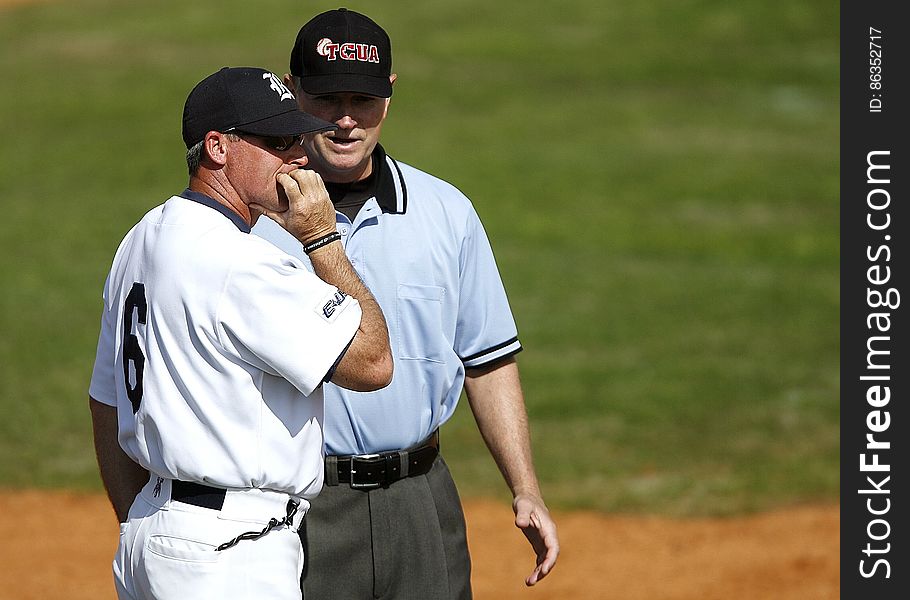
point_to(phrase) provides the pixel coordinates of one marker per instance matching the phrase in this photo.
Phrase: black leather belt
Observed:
(370, 471)
(197, 494)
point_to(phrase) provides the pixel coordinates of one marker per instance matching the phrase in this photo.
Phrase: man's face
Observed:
(344, 156)
(254, 173)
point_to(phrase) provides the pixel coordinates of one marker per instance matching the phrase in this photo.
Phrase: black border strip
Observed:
(874, 170)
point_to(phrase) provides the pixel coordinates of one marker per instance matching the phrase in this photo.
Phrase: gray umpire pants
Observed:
(399, 542)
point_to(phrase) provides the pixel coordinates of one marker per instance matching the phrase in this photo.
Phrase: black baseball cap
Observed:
(247, 100)
(343, 51)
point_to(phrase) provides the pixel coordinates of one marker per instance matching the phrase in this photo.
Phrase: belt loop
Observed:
(404, 463)
(331, 470)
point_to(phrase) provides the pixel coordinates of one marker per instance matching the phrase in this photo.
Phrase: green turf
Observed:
(659, 180)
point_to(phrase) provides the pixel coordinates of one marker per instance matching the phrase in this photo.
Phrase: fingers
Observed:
(309, 213)
(308, 182)
(534, 520)
(534, 577)
(540, 571)
(289, 184)
(545, 563)
(301, 185)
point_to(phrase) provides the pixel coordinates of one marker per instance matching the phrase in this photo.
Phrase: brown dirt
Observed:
(60, 545)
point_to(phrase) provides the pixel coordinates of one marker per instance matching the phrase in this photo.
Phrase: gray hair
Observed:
(194, 157)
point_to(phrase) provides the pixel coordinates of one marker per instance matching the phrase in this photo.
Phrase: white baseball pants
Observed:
(168, 550)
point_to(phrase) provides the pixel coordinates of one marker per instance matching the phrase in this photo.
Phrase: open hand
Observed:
(533, 518)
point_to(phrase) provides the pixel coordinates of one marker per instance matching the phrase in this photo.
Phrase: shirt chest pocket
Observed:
(421, 334)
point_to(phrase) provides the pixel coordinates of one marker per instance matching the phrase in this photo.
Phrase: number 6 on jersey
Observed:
(132, 353)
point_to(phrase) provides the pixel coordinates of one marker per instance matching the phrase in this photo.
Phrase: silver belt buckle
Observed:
(366, 485)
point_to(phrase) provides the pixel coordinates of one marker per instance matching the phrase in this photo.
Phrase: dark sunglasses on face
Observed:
(278, 143)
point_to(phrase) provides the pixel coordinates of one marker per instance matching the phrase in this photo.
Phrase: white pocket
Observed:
(182, 568)
(176, 548)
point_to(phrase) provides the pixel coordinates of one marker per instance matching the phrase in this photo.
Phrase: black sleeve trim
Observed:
(489, 350)
(495, 361)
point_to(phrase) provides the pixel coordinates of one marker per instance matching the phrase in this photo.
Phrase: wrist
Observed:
(526, 490)
(319, 242)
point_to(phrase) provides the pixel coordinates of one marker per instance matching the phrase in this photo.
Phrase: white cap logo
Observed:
(279, 87)
(347, 51)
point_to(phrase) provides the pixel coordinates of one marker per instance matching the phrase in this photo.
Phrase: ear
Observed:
(291, 84)
(392, 78)
(216, 147)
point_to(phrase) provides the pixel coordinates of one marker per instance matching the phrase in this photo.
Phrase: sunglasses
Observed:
(280, 143)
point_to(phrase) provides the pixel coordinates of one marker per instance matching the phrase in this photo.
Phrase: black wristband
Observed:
(320, 242)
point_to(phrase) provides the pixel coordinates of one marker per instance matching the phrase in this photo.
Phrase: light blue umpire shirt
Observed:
(420, 247)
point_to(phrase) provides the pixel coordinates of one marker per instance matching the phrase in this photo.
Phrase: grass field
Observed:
(659, 180)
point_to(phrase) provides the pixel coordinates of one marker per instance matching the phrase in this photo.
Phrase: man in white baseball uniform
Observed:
(213, 349)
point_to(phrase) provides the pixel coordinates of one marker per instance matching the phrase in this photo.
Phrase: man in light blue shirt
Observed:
(390, 512)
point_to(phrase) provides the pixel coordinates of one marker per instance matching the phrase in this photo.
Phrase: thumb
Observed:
(522, 514)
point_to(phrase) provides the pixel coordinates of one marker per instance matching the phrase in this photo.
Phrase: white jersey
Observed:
(213, 347)
(420, 247)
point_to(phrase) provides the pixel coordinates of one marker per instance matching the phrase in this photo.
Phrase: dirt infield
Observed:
(59, 545)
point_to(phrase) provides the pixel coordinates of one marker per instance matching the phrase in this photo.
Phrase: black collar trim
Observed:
(212, 203)
(391, 191)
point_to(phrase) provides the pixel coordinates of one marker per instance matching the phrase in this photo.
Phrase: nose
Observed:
(296, 155)
(346, 121)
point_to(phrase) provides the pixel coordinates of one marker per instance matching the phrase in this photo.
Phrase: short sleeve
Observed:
(283, 319)
(102, 387)
(486, 330)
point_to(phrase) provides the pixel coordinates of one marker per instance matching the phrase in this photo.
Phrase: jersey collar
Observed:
(212, 203)
(391, 192)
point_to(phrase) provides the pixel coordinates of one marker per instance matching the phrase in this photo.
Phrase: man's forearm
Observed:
(499, 409)
(310, 218)
(367, 364)
(332, 266)
(122, 477)
(498, 405)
